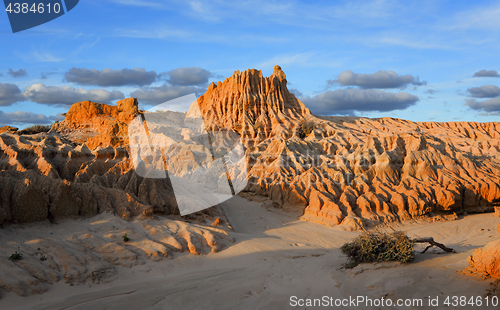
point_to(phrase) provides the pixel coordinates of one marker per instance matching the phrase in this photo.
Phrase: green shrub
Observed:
(125, 238)
(379, 247)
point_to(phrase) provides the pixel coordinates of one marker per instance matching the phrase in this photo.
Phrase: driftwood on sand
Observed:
(432, 243)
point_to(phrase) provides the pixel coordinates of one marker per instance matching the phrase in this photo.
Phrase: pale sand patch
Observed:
(273, 258)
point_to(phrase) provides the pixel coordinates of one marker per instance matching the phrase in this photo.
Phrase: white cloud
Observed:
(351, 100)
(18, 73)
(485, 91)
(46, 57)
(485, 17)
(288, 59)
(409, 40)
(486, 73)
(66, 95)
(188, 76)
(296, 92)
(109, 77)
(379, 79)
(489, 105)
(24, 118)
(9, 94)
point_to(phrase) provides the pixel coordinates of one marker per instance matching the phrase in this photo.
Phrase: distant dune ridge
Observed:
(352, 171)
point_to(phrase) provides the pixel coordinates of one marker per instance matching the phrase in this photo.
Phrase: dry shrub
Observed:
(257, 125)
(494, 289)
(379, 247)
(237, 127)
(33, 129)
(306, 127)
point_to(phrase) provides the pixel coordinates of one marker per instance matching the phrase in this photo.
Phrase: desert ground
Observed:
(273, 257)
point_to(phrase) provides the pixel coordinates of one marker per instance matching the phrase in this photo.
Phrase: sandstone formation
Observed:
(8, 129)
(486, 261)
(354, 171)
(44, 177)
(98, 124)
(255, 106)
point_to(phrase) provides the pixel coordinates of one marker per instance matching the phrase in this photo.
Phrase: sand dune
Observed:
(274, 257)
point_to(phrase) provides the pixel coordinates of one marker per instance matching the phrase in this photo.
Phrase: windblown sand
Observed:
(274, 256)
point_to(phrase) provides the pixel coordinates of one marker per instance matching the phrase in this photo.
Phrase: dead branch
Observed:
(432, 243)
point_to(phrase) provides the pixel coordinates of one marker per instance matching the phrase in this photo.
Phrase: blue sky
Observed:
(411, 60)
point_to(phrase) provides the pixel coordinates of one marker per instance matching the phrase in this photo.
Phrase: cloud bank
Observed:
(66, 95)
(23, 118)
(486, 73)
(9, 94)
(18, 73)
(379, 79)
(485, 91)
(188, 76)
(490, 105)
(348, 101)
(110, 77)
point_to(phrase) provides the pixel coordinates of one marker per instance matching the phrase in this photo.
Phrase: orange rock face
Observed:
(99, 124)
(257, 107)
(349, 170)
(8, 129)
(486, 261)
(47, 177)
